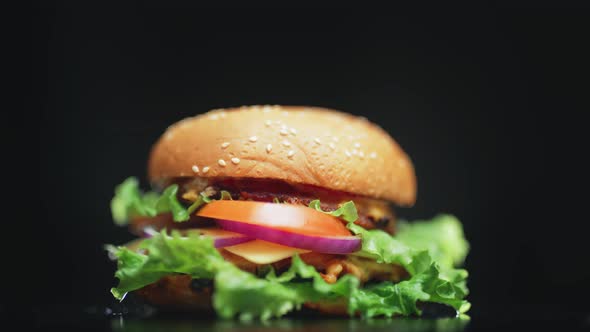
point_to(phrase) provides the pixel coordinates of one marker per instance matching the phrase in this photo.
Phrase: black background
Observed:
(482, 99)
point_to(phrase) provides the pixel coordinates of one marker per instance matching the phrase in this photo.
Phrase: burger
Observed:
(255, 212)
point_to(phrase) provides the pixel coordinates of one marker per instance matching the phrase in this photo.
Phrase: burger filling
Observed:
(372, 214)
(287, 245)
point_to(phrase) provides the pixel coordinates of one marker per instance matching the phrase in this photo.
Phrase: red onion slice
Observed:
(221, 238)
(323, 244)
(148, 232)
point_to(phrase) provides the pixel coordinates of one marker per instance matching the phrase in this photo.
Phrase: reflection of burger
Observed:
(260, 210)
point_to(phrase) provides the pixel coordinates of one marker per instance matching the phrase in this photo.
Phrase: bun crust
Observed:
(302, 145)
(174, 293)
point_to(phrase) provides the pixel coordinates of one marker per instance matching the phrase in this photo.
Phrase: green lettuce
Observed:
(129, 201)
(236, 292)
(429, 282)
(442, 236)
(428, 285)
(346, 211)
(239, 293)
(193, 255)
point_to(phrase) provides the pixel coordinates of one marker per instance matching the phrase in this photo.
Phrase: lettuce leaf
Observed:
(236, 292)
(129, 201)
(442, 236)
(248, 296)
(346, 211)
(239, 293)
(429, 285)
(429, 282)
(193, 255)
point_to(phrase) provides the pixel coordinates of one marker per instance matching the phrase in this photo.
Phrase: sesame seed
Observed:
(268, 123)
(317, 140)
(221, 162)
(357, 145)
(213, 116)
(355, 151)
(373, 155)
(195, 168)
(362, 155)
(205, 169)
(286, 143)
(347, 153)
(284, 132)
(293, 131)
(332, 146)
(222, 114)
(266, 109)
(253, 139)
(224, 145)
(235, 160)
(268, 148)
(290, 153)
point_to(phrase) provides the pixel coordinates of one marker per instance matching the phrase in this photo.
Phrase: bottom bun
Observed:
(175, 293)
(180, 293)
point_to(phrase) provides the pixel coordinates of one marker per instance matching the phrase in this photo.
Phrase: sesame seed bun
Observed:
(301, 145)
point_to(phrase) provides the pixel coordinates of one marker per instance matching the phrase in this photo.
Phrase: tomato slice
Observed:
(290, 218)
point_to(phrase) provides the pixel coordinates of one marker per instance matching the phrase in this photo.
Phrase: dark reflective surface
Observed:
(142, 318)
(291, 324)
(136, 316)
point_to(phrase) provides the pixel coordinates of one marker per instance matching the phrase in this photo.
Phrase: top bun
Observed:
(302, 145)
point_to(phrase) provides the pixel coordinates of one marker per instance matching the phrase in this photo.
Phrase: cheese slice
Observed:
(263, 252)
